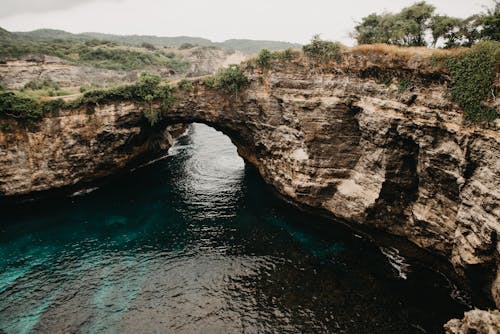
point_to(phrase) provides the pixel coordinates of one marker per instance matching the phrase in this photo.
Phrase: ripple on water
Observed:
(194, 243)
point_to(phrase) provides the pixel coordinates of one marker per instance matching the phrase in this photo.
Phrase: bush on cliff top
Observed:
(323, 51)
(231, 79)
(147, 90)
(263, 59)
(473, 75)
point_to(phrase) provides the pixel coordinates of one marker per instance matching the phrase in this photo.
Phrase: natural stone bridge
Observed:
(328, 139)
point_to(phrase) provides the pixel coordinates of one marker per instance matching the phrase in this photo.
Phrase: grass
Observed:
(100, 54)
(404, 52)
(323, 51)
(185, 85)
(147, 90)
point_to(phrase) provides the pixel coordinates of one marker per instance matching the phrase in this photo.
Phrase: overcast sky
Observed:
(287, 20)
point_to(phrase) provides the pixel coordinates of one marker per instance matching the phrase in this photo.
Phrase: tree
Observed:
(446, 28)
(371, 31)
(417, 18)
(405, 28)
(490, 22)
(412, 24)
(470, 31)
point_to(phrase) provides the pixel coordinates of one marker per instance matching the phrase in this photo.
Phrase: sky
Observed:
(218, 20)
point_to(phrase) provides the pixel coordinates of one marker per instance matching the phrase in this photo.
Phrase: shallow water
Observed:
(196, 243)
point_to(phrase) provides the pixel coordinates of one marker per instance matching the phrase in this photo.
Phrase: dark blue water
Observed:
(196, 243)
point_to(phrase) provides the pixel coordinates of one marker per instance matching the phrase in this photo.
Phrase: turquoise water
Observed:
(196, 243)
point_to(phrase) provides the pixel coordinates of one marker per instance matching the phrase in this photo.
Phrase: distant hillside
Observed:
(244, 45)
(6, 36)
(155, 40)
(46, 34)
(253, 46)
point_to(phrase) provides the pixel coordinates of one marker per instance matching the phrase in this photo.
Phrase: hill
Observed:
(244, 45)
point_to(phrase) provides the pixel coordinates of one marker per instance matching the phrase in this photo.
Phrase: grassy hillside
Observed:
(243, 45)
(91, 52)
(253, 46)
(7, 37)
(155, 40)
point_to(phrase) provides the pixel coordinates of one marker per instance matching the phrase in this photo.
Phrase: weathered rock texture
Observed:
(15, 73)
(327, 137)
(74, 147)
(474, 322)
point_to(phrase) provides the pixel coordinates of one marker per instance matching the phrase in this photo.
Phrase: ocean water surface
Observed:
(196, 243)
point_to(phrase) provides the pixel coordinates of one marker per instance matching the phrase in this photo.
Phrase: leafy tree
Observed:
(490, 22)
(412, 24)
(416, 18)
(373, 29)
(447, 28)
(469, 30)
(405, 28)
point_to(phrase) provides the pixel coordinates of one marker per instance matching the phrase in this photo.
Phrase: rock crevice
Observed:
(336, 141)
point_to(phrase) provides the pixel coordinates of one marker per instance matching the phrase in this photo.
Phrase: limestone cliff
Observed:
(77, 148)
(15, 73)
(334, 138)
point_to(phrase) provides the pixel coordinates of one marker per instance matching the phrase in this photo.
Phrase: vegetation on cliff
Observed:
(100, 54)
(44, 36)
(323, 51)
(147, 90)
(231, 79)
(473, 75)
(412, 24)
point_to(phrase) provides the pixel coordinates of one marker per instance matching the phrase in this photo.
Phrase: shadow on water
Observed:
(197, 243)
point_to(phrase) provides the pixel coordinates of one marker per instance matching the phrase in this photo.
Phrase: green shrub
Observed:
(170, 55)
(5, 127)
(209, 82)
(185, 46)
(148, 46)
(19, 107)
(473, 76)
(285, 55)
(100, 54)
(323, 51)
(264, 59)
(147, 90)
(185, 85)
(39, 84)
(231, 79)
(153, 116)
(403, 85)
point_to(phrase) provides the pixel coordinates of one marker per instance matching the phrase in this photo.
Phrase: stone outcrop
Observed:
(475, 321)
(15, 73)
(329, 137)
(77, 148)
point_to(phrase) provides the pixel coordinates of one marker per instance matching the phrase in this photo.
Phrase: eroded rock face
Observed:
(15, 73)
(331, 138)
(75, 147)
(475, 322)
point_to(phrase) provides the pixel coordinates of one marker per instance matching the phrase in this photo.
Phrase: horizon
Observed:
(210, 21)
